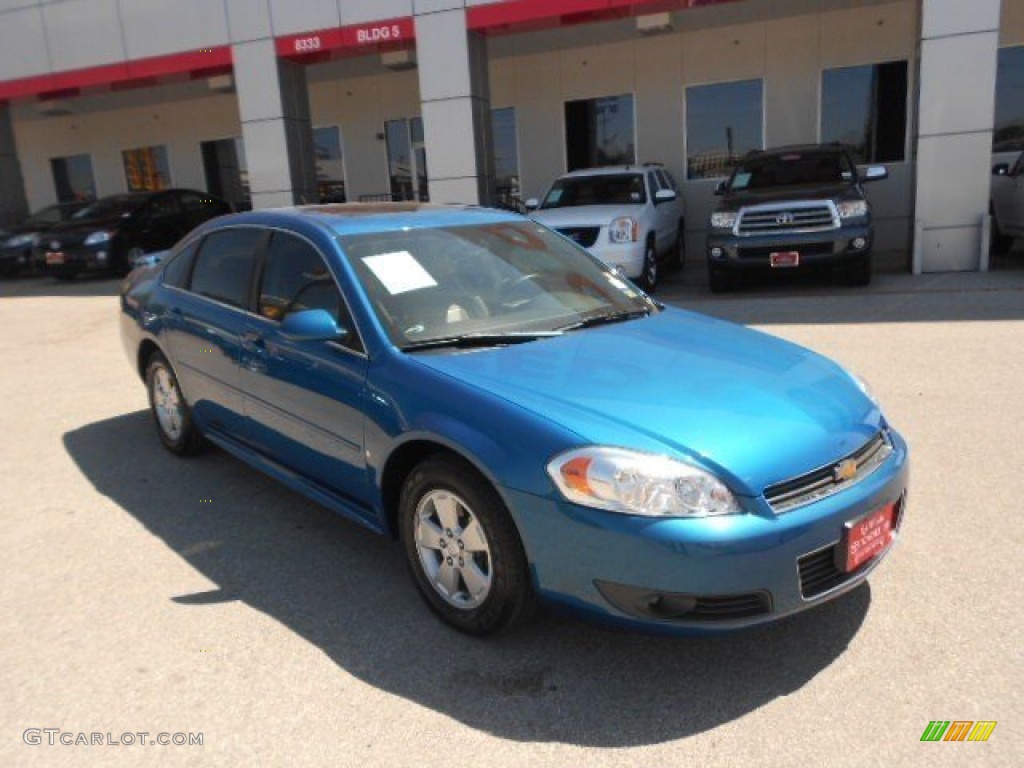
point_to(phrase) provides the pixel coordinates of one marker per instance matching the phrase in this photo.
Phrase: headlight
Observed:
(623, 230)
(98, 238)
(634, 483)
(21, 241)
(723, 219)
(853, 209)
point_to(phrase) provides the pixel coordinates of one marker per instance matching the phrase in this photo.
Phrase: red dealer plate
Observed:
(54, 257)
(865, 538)
(785, 259)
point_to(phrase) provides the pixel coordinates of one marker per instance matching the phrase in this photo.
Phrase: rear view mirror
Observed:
(722, 187)
(1003, 169)
(664, 196)
(312, 325)
(532, 204)
(876, 173)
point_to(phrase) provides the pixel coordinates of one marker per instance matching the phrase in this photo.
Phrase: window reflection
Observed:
(723, 122)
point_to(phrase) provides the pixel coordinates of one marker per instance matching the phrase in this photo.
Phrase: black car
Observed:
(793, 208)
(113, 232)
(19, 242)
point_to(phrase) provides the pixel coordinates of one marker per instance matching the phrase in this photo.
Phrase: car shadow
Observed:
(346, 590)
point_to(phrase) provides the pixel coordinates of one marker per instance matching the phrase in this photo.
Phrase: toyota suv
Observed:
(792, 208)
(628, 216)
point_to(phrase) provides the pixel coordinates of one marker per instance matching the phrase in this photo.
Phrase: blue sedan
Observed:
(527, 423)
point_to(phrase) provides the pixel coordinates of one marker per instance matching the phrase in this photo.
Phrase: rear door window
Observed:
(178, 268)
(225, 266)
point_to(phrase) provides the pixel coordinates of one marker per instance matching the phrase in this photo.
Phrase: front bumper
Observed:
(751, 561)
(14, 259)
(73, 260)
(837, 247)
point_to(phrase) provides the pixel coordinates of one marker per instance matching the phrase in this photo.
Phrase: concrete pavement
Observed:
(141, 592)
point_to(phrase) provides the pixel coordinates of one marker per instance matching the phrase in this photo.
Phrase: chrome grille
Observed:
(826, 481)
(585, 236)
(788, 218)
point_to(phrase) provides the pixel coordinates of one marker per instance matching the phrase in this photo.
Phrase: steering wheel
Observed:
(516, 284)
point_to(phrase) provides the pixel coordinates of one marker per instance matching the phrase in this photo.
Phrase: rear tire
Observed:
(469, 566)
(999, 243)
(171, 414)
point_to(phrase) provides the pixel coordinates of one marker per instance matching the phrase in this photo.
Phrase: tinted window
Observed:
(160, 207)
(115, 205)
(603, 189)
(866, 108)
(1009, 126)
(177, 269)
(225, 265)
(723, 123)
(295, 278)
(330, 167)
(506, 151)
(599, 132)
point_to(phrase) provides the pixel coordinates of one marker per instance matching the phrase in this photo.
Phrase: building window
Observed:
(723, 122)
(1009, 126)
(407, 159)
(73, 179)
(330, 166)
(865, 108)
(599, 132)
(226, 174)
(146, 169)
(506, 151)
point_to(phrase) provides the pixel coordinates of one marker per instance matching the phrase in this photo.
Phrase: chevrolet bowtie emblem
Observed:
(844, 470)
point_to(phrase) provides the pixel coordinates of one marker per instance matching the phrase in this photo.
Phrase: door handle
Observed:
(253, 339)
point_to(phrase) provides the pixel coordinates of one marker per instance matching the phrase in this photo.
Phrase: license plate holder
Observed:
(865, 538)
(54, 257)
(784, 259)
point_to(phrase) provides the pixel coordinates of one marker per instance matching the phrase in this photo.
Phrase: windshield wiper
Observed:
(470, 340)
(606, 319)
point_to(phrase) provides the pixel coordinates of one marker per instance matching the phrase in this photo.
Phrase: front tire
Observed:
(859, 272)
(171, 414)
(719, 281)
(463, 549)
(649, 277)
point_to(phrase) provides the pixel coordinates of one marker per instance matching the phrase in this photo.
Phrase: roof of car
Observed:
(607, 170)
(355, 218)
(800, 149)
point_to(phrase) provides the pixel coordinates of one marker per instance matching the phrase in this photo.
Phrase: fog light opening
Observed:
(859, 243)
(716, 253)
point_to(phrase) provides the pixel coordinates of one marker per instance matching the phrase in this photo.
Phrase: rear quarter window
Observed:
(180, 265)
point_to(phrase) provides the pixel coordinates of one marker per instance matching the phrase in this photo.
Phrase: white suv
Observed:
(629, 216)
(1007, 204)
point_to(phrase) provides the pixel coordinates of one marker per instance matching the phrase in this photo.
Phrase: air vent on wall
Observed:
(54, 107)
(654, 23)
(405, 59)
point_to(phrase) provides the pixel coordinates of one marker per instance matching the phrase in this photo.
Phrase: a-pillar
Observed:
(959, 50)
(273, 106)
(13, 205)
(455, 102)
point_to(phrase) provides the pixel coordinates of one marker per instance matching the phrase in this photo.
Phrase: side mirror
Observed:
(664, 196)
(532, 204)
(721, 187)
(876, 173)
(1003, 169)
(311, 325)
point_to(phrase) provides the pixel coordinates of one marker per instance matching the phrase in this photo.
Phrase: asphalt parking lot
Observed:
(141, 592)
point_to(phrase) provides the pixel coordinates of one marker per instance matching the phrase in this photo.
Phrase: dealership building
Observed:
(274, 102)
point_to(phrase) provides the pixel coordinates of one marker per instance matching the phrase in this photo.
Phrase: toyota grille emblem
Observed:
(785, 218)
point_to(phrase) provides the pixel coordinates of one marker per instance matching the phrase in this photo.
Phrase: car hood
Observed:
(753, 408)
(737, 200)
(86, 225)
(584, 215)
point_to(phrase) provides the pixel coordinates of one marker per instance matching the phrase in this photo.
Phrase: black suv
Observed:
(114, 232)
(792, 208)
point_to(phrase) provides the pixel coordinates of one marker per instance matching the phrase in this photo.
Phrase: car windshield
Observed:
(493, 283)
(110, 207)
(53, 214)
(599, 189)
(792, 169)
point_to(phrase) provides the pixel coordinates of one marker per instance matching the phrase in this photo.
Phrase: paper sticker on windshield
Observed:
(740, 181)
(399, 272)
